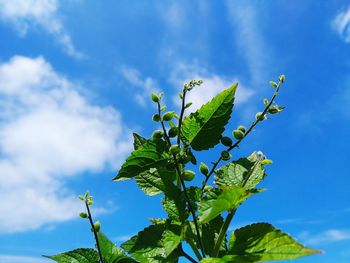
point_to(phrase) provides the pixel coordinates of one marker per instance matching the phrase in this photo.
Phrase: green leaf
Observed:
(149, 155)
(81, 255)
(245, 172)
(231, 258)
(265, 243)
(218, 200)
(210, 233)
(156, 181)
(138, 141)
(175, 205)
(203, 128)
(111, 253)
(155, 244)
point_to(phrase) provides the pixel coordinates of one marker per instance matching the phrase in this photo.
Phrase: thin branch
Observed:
(236, 144)
(94, 231)
(177, 166)
(186, 255)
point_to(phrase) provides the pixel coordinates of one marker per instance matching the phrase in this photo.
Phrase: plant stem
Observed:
(222, 232)
(94, 231)
(186, 255)
(236, 144)
(178, 170)
(181, 115)
(195, 249)
(229, 217)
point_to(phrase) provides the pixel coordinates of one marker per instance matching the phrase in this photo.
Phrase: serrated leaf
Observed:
(218, 200)
(266, 243)
(156, 181)
(203, 128)
(175, 205)
(237, 172)
(138, 141)
(111, 253)
(81, 255)
(149, 155)
(210, 233)
(231, 259)
(153, 244)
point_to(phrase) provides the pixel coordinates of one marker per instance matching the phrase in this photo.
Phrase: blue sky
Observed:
(75, 79)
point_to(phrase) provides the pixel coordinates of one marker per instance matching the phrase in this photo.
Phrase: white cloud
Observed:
(22, 259)
(48, 131)
(328, 236)
(341, 24)
(24, 14)
(145, 85)
(248, 39)
(212, 85)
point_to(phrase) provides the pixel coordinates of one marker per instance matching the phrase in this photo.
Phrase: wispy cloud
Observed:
(325, 237)
(49, 131)
(341, 24)
(22, 259)
(145, 86)
(24, 14)
(248, 38)
(212, 84)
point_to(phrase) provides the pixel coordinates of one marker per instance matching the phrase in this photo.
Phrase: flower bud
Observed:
(282, 78)
(241, 128)
(155, 97)
(156, 117)
(273, 110)
(259, 116)
(168, 116)
(97, 226)
(188, 105)
(157, 134)
(188, 175)
(225, 155)
(226, 141)
(273, 84)
(266, 161)
(173, 132)
(81, 198)
(266, 102)
(238, 134)
(203, 168)
(83, 215)
(174, 149)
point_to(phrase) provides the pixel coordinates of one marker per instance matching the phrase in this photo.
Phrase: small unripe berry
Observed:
(273, 84)
(97, 226)
(173, 132)
(203, 168)
(83, 215)
(174, 149)
(189, 175)
(168, 116)
(266, 102)
(155, 97)
(259, 116)
(238, 134)
(81, 198)
(282, 78)
(156, 117)
(157, 134)
(225, 155)
(226, 141)
(241, 128)
(273, 110)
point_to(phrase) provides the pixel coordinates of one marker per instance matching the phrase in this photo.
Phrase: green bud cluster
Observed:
(225, 155)
(97, 226)
(157, 134)
(226, 141)
(260, 116)
(189, 175)
(203, 168)
(155, 97)
(156, 117)
(238, 134)
(173, 131)
(168, 116)
(174, 149)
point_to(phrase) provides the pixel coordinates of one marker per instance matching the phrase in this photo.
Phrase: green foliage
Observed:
(199, 216)
(203, 128)
(81, 255)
